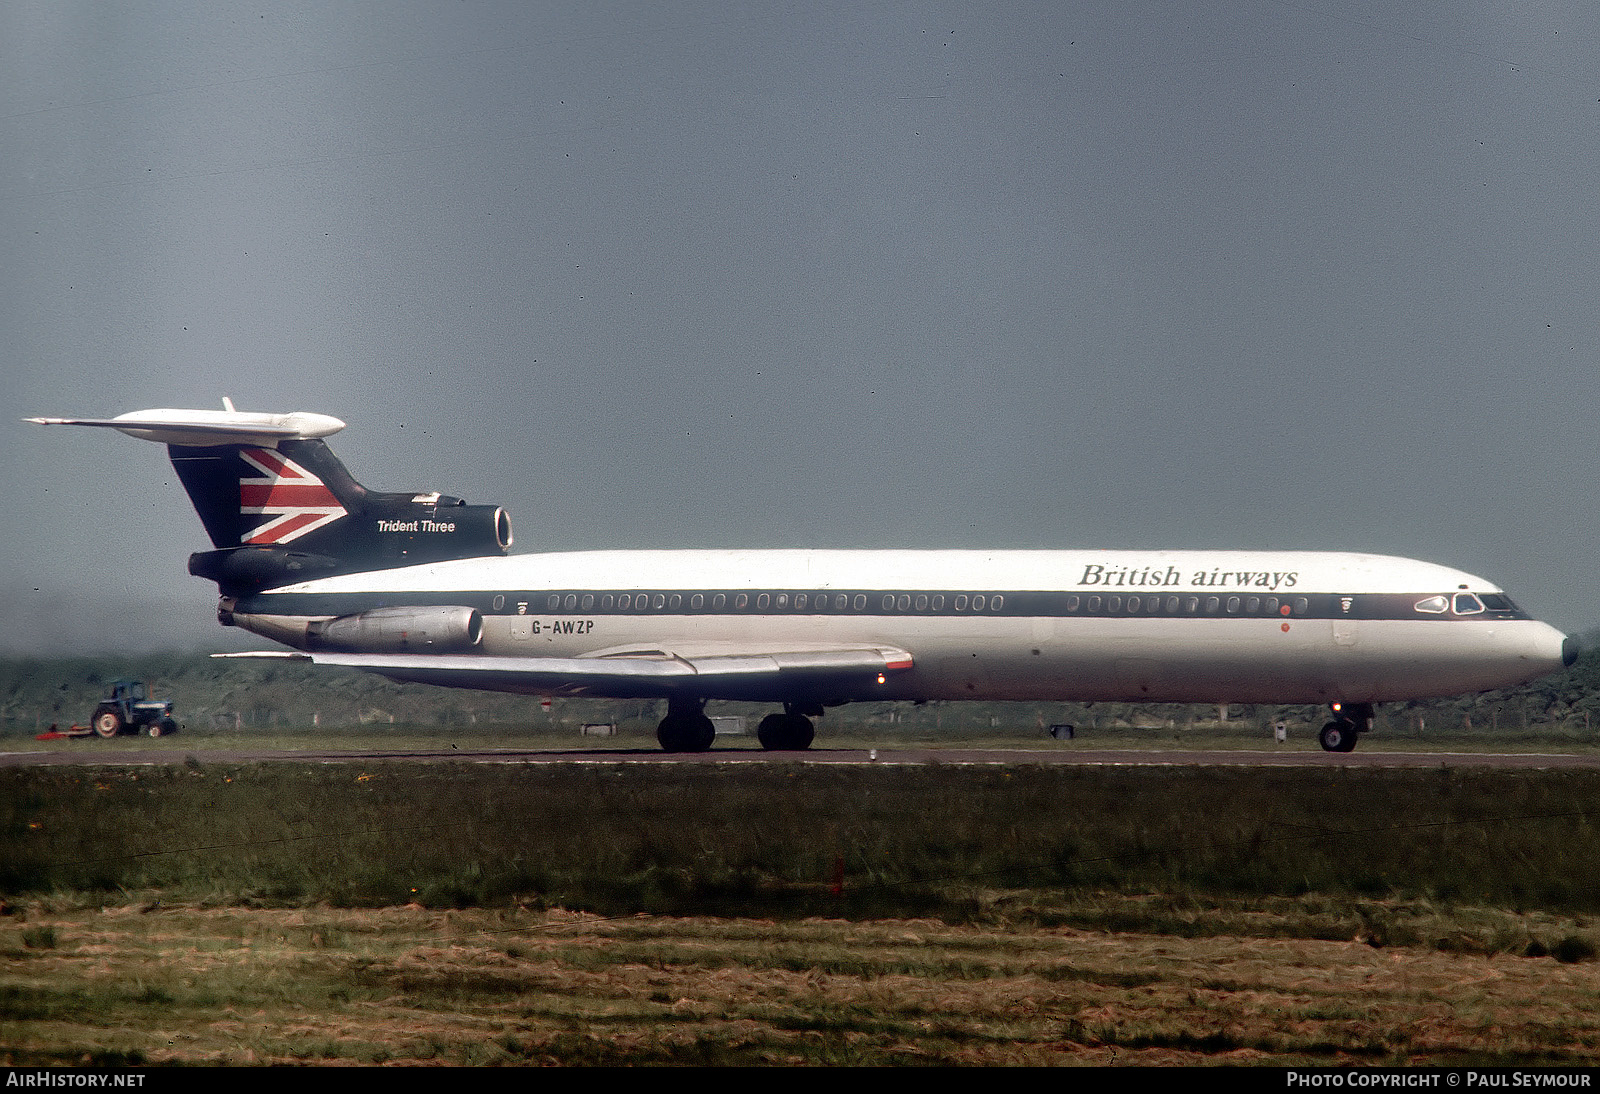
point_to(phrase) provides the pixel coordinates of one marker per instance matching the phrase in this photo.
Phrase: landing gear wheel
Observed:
(686, 733)
(1339, 736)
(107, 723)
(786, 732)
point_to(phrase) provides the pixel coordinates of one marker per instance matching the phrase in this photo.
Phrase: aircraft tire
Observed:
(1339, 736)
(786, 733)
(107, 723)
(686, 733)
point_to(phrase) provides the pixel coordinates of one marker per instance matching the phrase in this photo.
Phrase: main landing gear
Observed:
(686, 727)
(1350, 720)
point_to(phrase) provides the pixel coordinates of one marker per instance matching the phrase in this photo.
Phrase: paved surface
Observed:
(96, 753)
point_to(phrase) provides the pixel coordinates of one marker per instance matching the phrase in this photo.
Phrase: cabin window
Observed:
(782, 600)
(623, 601)
(1253, 605)
(903, 602)
(799, 602)
(922, 603)
(1301, 605)
(1094, 604)
(888, 602)
(1212, 604)
(961, 602)
(554, 602)
(658, 601)
(1133, 604)
(676, 602)
(1272, 606)
(1233, 605)
(588, 602)
(1434, 605)
(1172, 605)
(938, 602)
(742, 601)
(1113, 603)
(1072, 603)
(1467, 604)
(996, 602)
(499, 601)
(762, 601)
(572, 602)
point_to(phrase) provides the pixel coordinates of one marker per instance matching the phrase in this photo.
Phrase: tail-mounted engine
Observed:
(441, 629)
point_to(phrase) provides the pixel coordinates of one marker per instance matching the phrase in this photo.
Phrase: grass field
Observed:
(460, 913)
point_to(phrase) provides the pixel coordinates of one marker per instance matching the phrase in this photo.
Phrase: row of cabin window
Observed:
(816, 602)
(1188, 605)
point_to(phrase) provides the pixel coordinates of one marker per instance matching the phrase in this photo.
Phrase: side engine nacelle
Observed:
(442, 629)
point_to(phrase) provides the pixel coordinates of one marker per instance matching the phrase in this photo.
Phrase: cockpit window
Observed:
(1497, 602)
(1467, 604)
(1434, 605)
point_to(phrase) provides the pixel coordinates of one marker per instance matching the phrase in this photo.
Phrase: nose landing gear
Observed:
(1350, 720)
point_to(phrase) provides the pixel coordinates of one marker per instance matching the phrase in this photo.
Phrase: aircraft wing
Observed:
(837, 673)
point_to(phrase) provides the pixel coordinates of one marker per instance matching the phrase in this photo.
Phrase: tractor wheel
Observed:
(163, 727)
(107, 722)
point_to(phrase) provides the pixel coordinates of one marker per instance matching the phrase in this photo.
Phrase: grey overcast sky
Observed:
(857, 274)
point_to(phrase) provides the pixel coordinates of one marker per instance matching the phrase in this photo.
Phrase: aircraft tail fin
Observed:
(280, 507)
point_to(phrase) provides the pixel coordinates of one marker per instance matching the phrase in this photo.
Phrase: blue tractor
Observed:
(129, 709)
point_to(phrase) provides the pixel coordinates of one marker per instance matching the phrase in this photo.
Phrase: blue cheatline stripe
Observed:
(919, 603)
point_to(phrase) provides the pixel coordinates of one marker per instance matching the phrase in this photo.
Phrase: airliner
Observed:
(422, 587)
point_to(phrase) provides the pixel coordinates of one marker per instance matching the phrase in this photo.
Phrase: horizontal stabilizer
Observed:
(210, 428)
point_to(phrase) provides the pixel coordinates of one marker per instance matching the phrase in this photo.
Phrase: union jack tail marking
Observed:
(297, 500)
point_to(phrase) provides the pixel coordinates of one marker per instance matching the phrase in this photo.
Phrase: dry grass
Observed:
(152, 984)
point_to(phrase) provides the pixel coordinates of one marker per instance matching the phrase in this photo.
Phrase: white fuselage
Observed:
(1169, 626)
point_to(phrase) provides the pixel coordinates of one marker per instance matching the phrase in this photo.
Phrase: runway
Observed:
(89, 754)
